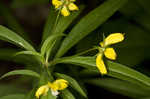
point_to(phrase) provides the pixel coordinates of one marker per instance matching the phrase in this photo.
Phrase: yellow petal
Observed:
(73, 7)
(42, 91)
(110, 53)
(100, 64)
(57, 3)
(59, 84)
(53, 86)
(64, 11)
(101, 44)
(114, 38)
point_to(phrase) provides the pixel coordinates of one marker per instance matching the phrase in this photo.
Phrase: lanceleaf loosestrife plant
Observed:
(51, 80)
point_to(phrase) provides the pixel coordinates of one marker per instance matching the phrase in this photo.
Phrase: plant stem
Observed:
(53, 62)
(56, 22)
(48, 73)
(84, 52)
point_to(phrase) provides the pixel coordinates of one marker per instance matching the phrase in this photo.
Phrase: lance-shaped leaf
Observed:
(36, 54)
(89, 23)
(21, 72)
(120, 86)
(10, 36)
(49, 42)
(66, 94)
(114, 69)
(72, 82)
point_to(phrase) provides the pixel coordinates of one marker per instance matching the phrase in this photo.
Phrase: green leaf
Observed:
(10, 36)
(14, 96)
(21, 72)
(31, 53)
(89, 23)
(72, 82)
(7, 54)
(121, 87)
(125, 73)
(86, 62)
(66, 94)
(49, 42)
(114, 69)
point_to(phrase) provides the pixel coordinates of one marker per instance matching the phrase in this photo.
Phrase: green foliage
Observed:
(48, 44)
(89, 23)
(115, 70)
(16, 96)
(31, 53)
(21, 72)
(119, 86)
(10, 36)
(64, 36)
(66, 94)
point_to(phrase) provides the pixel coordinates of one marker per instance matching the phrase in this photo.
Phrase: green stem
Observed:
(84, 52)
(55, 61)
(56, 22)
(48, 53)
(50, 75)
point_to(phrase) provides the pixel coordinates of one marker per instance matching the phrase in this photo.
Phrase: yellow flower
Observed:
(100, 64)
(42, 91)
(55, 86)
(57, 3)
(65, 11)
(114, 38)
(64, 6)
(73, 7)
(108, 52)
(59, 84)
